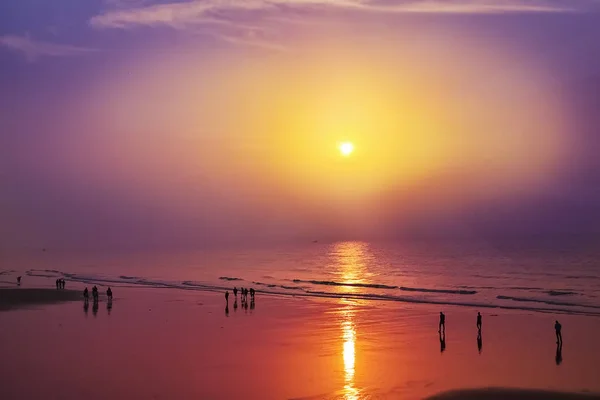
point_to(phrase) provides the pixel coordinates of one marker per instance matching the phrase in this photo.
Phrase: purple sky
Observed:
(73, 174)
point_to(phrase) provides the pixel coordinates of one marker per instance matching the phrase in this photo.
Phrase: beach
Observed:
(160, 343)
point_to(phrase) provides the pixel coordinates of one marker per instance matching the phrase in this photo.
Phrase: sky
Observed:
(143, 123)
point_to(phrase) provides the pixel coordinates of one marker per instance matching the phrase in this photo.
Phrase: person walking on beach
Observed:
(235, 291)
(557, 328)
(95, 293)
(18, 280)
(109, 294)
(63, 282)
(442, 327)
(86, 294)
(252, 293)
(57, 284)
(478, 321)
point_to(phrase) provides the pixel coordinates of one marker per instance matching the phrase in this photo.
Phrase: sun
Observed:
(346, 148)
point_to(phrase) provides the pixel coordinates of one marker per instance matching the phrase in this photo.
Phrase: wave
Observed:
(447, 291)
(559, 293)
(227, 278)
(549, 302)
(129, 277)
(285, 291)
(332, 283)
(382, 286)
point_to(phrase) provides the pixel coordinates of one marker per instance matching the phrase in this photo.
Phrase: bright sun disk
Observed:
(346, 148)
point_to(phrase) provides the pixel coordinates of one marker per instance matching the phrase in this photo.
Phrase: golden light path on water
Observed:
(350, 261)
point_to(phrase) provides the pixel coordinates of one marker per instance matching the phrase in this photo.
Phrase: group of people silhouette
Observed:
(60, 283)
(442, 333)
(244, 298)
(86, 294)
(86, 297)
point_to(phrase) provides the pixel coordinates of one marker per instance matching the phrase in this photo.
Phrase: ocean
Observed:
(537, 276)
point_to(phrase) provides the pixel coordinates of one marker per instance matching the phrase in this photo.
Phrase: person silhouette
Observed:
(18, 280)
(479, 341)
(558, 328)
(558, 357)
(252, 293)
(109, 293)
(63, 283)
(234, 291)
(478, 321)
(57, 285)
(86, 294)
(95, 293)
(442, 341)
(442, 327)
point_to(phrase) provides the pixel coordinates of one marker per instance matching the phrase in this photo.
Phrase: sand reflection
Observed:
(350, 265)
(349, 355)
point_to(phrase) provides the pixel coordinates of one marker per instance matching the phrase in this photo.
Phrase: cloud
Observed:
(180, 15)
(246, 22)
(33, 49)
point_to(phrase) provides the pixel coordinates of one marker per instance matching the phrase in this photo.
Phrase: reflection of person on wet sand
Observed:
(442, 341)
(109, 305)
(95, 308)
(479, 341)
(227, 297)
(559, 353)
(227, 310)
(86, 306)
(235, 305)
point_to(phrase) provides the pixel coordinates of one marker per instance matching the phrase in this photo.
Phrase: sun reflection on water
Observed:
(351, 267)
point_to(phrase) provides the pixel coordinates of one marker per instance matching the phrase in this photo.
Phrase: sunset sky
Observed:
(132, 123)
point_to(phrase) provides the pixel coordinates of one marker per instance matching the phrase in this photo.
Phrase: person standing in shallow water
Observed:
(558, 328)
(479, 321)
(442, 327)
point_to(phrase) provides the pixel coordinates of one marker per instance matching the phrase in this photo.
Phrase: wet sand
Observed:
(503, 393)
(174, 344)
(11, 299)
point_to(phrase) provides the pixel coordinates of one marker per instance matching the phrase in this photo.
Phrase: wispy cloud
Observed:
(233, 20)
(186, 13)
(33, 49)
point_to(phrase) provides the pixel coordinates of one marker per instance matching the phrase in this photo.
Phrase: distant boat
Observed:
(315, 241)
